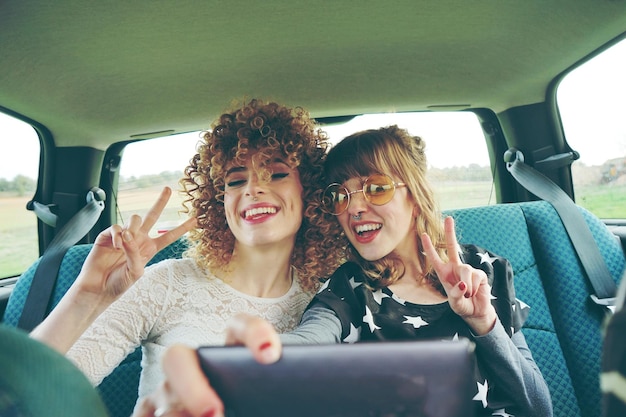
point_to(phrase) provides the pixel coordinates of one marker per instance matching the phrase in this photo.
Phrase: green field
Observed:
(607, 201)
(18, 231)
(18, 226)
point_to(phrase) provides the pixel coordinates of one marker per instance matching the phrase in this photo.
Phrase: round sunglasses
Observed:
(378, 189)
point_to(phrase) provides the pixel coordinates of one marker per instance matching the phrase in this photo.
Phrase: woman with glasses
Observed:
(408, 278)
(405, 278)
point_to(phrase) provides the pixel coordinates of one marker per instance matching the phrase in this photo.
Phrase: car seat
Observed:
(564, 327)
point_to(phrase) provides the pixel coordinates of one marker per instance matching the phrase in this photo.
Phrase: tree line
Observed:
(22, 185)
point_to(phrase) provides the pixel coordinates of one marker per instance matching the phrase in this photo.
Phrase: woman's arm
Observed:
(319, 325)
(508, 362)
(115, 262)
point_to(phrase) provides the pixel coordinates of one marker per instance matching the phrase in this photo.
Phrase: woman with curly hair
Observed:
(259, 244)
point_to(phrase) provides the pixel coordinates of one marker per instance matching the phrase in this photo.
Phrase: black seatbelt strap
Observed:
(42, 286)
(577, 228)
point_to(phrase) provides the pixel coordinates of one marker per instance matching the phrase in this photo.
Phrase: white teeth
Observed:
(260, 210)
(367, 227)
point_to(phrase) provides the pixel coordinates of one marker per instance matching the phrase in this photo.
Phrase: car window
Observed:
(19, 165)
(146, 167)
(456, 149)
(461, 177)
(591, 101)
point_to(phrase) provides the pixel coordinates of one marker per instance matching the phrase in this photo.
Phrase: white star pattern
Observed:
(353, 283)
(522, 304)
(324, 286)
(353, 336)
(482, 393)
(485, 258)
(413, 316)
(379, 295)
(416, 322)
(369, 319)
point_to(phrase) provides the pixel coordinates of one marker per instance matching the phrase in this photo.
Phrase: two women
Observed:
(406, 278)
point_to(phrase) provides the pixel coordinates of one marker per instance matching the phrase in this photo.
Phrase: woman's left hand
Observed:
(468, 290)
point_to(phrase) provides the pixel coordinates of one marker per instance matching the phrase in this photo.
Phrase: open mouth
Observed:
(258, 212)
(363, 229)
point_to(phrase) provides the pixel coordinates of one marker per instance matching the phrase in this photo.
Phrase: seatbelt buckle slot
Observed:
(608, 303)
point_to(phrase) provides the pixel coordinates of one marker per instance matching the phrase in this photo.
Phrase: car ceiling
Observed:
(94, 73)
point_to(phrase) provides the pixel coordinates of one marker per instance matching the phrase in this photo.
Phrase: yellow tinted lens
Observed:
(335, 199)
(379, 189)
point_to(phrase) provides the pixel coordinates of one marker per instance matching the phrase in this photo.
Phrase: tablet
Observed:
(391, 379)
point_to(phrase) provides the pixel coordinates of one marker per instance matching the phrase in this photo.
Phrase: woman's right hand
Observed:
(467, 288)
(120, 253)
(186, 391)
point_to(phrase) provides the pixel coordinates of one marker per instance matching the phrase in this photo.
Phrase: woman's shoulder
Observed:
(348, 275)
(348, 270)
(499, 271)
(484, 259)
(169, 270)
(173, 264)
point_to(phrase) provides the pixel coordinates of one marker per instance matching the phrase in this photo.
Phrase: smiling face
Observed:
(380, 230)
(263, 212)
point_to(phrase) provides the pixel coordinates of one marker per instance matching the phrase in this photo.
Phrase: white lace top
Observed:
(174, 302)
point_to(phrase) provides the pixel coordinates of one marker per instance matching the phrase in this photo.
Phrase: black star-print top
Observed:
(368, 315)
(380, 315)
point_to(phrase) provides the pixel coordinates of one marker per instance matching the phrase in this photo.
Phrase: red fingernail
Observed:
(265, 346)
(462, 286)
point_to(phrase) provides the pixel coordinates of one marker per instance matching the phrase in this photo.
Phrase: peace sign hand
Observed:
(120, 253)
(469, 293)
(116, 261)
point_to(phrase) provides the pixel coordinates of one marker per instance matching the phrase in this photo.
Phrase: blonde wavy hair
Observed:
(392, 151)
(266, 131)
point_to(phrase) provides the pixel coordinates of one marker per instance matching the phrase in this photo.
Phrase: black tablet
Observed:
(386, 379)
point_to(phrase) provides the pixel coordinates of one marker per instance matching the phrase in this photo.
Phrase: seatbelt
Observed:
(41, 288)
(577, 228)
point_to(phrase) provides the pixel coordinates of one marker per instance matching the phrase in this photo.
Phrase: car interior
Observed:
(93, 80)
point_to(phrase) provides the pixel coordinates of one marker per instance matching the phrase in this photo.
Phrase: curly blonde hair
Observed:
(393, 151)
(266, 131)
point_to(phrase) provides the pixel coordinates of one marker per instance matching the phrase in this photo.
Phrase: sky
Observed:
(472, 149)
(594, 92)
